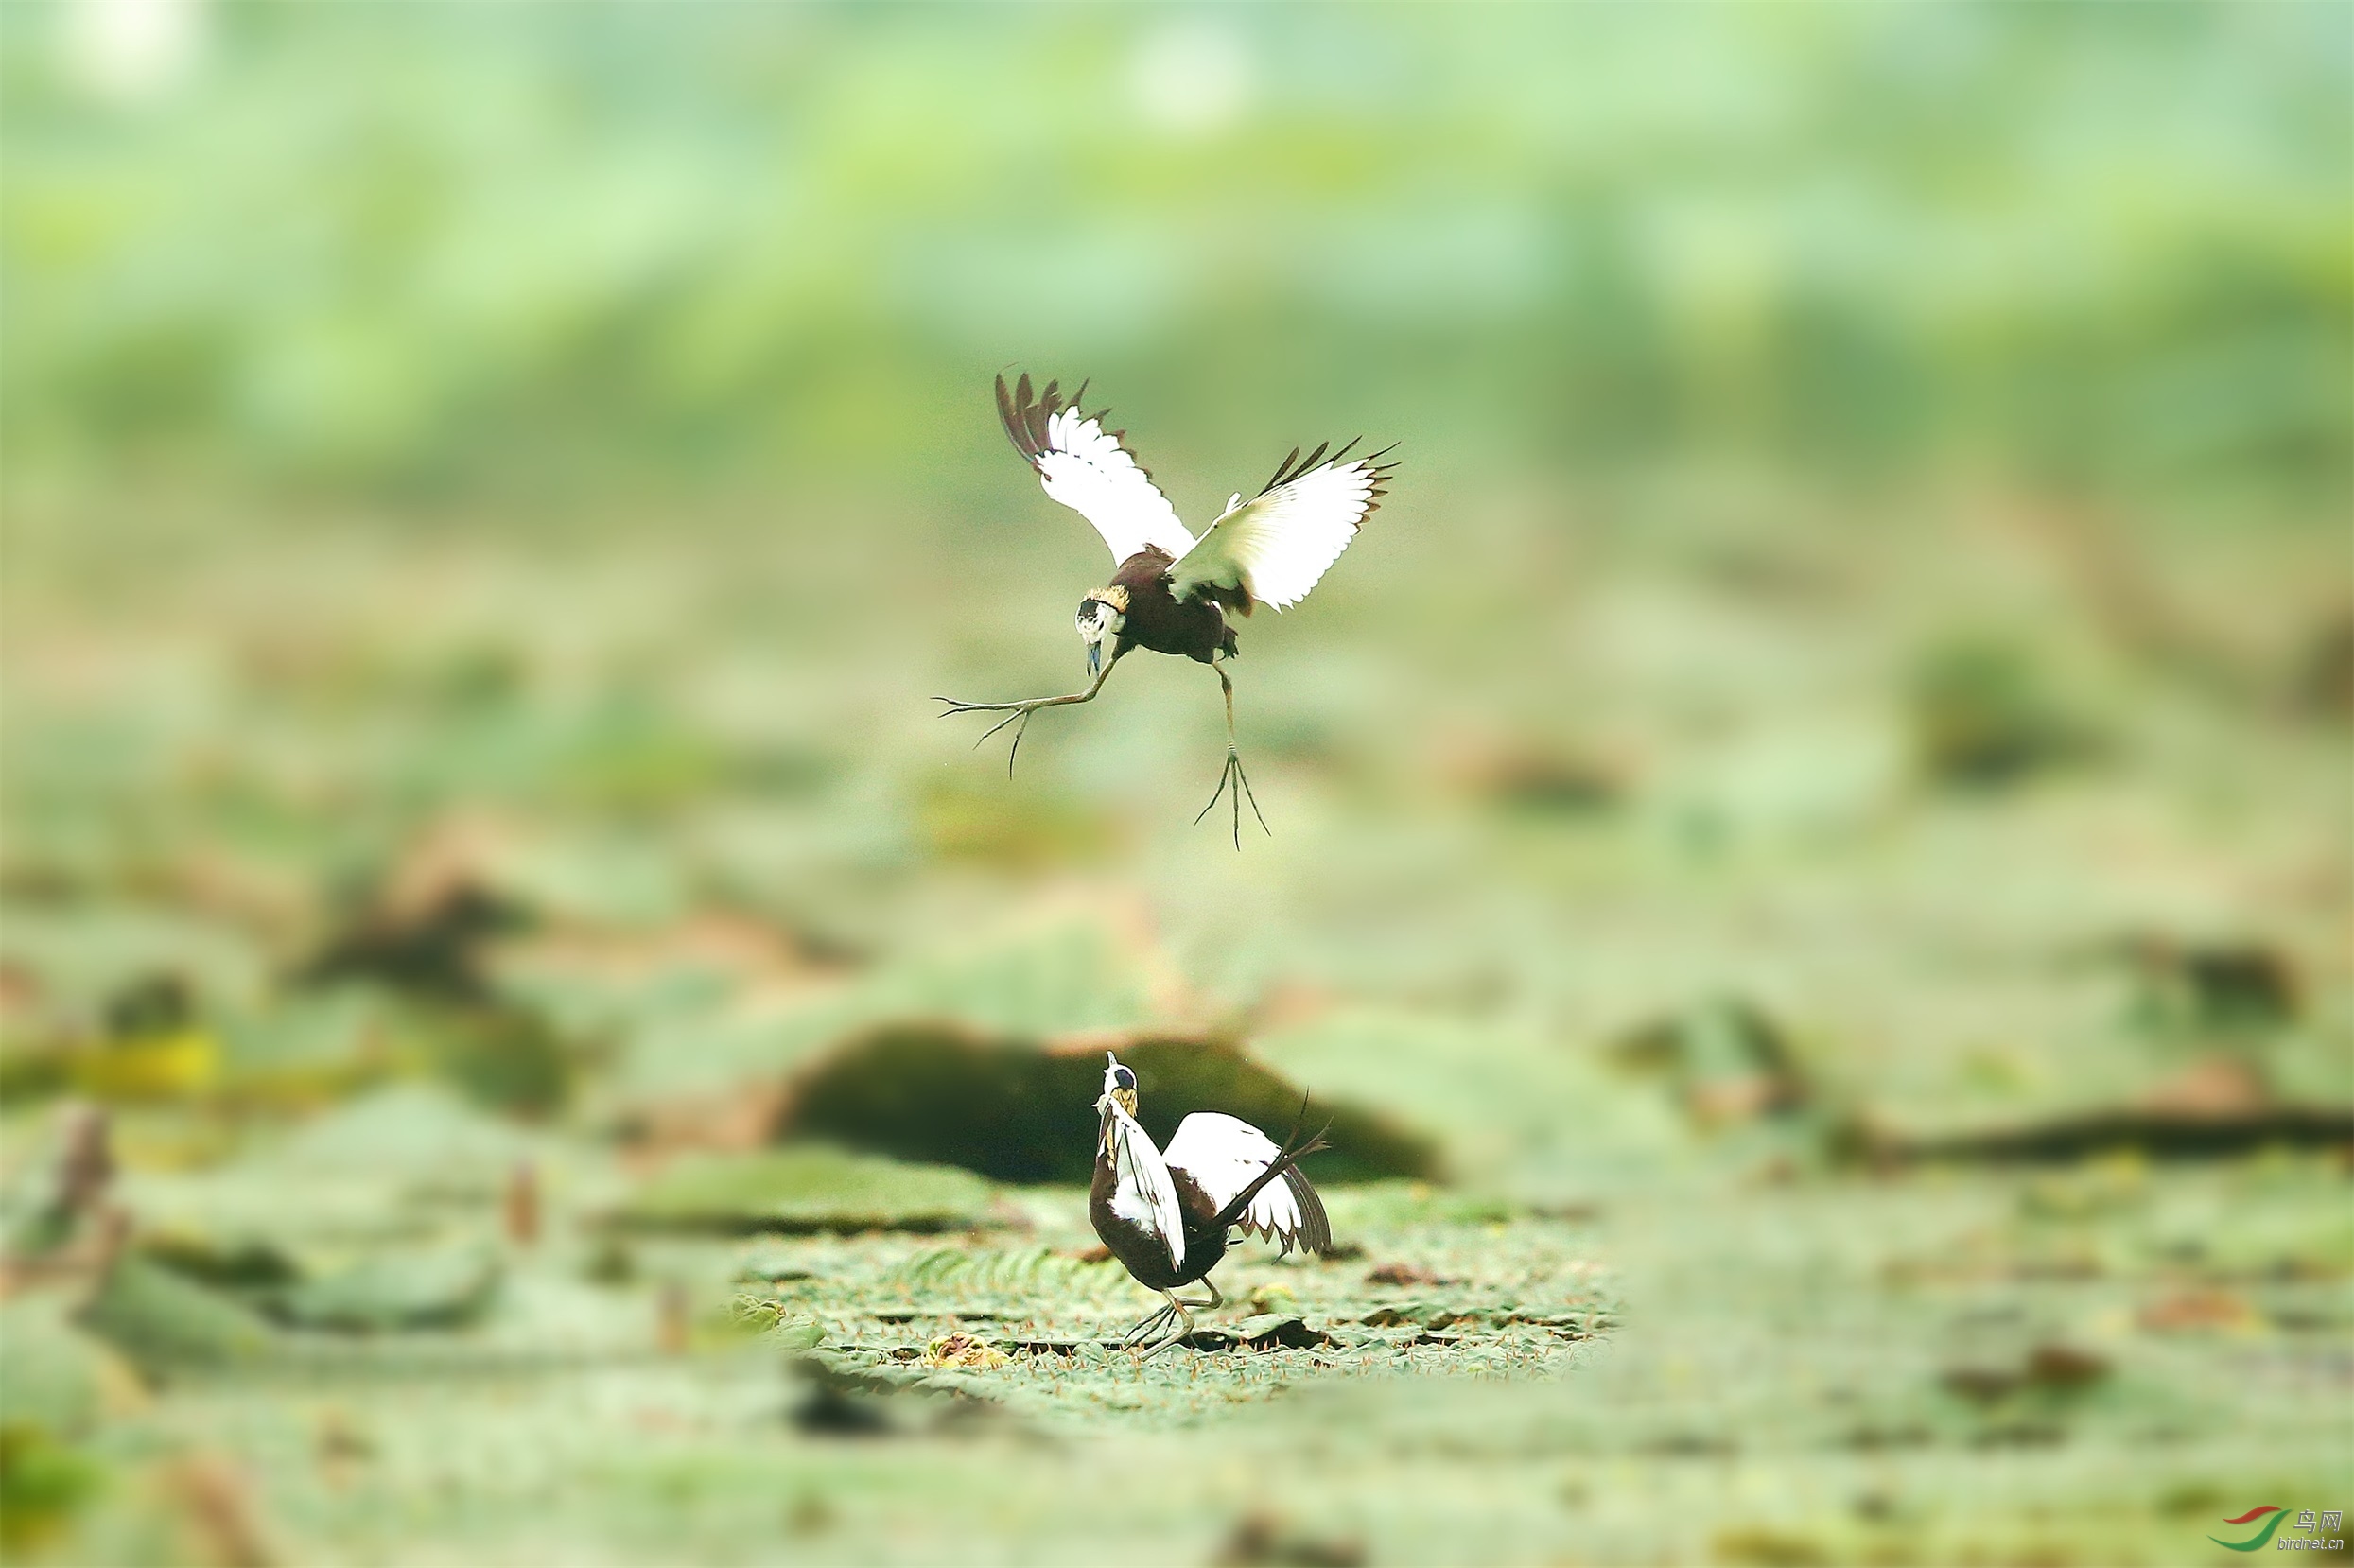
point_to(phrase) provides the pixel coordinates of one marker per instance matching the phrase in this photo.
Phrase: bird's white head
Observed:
(1119, 1086)
(1119, 1092)
(1102, 614)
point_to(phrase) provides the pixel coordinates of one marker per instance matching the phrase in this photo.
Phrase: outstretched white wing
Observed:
(1275, 548)
(1084, 466)
(1222, 1155)
(1141, 1191)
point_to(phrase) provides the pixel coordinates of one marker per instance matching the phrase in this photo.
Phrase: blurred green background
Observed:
(1810, 833)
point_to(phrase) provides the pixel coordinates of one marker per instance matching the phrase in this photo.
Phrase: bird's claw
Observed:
(1015, 713)
(1237, 783)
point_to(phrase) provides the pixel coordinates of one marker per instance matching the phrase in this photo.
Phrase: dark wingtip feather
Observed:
(1294, 465)
(1009, 414)
(1035, 416)
(1024, 414)
(1280, 470)
(1379, 472)
(1316, 1230)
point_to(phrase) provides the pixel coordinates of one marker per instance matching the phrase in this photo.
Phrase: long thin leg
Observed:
(1150, 1324)
(1022, 711)
(1185, 1310)
(1175, 1304)
(1185, 1329)
(1233, 778)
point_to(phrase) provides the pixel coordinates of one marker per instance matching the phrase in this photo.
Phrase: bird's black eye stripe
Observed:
(1123, 1077)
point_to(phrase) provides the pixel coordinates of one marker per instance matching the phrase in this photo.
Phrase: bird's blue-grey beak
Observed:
(1094, 658)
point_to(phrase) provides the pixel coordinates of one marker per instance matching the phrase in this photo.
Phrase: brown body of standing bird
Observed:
(1171, 592)
(1167, 1215)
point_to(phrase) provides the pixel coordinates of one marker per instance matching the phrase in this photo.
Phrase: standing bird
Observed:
(1167, 1214)
(1171, 591)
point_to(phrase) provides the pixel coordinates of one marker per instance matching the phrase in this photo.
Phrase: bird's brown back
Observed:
(1193, 629)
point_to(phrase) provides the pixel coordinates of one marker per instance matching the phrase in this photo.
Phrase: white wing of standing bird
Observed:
(1171, 592)
(1222, 1153)
(1144, 1196)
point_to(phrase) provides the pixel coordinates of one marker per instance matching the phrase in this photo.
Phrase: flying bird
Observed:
(1166, 1213)
(1171, 592)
